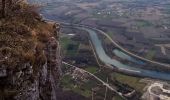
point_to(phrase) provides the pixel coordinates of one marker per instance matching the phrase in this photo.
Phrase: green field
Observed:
(69, 46)
(150, 54)
(130, 80)
(102, 75)
(68, 84)
(91, 69)
(117, 98)
(111, 34)
(65, 42)
(142, 23)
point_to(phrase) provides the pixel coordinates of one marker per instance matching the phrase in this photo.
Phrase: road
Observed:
(163, 96)
(104, 83)
(119, 46)
(128, 52)
(114, 42)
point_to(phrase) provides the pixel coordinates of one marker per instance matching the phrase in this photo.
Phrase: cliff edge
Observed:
(29, 54)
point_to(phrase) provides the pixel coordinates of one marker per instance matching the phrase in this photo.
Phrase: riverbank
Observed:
(132, 70)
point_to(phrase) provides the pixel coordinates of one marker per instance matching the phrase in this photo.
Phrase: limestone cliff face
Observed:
(29, 53)
(51, 71)
(33, 81)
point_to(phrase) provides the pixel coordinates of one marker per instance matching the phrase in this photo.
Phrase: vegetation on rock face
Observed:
(23, 39)
(21, 30)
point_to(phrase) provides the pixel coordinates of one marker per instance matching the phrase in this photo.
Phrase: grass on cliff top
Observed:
(21, 32)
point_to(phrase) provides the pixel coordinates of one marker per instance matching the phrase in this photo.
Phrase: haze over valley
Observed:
(85, 50)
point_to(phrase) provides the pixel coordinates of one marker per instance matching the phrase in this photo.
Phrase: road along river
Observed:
(115, 63)
(48, 9)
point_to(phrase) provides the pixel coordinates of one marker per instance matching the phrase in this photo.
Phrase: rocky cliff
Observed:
(29, 56)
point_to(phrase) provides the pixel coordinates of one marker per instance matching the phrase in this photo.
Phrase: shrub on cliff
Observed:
(22, 31)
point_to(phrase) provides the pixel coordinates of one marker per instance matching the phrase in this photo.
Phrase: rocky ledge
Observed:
(29, 55)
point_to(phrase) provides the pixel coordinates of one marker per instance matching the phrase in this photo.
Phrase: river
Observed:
(49, 12)
(107, 60)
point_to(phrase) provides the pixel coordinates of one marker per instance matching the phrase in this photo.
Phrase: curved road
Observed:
(128, 52)
(117, 45)
(152, 74)
(160, 86)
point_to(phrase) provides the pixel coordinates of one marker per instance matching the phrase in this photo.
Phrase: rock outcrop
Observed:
(45, 84)
(29, 56)
(38, 81)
